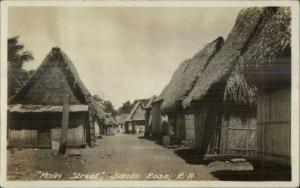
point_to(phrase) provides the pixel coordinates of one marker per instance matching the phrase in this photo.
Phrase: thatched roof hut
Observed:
(35, 111)
(137, 113)
(185, 77)
(121, 118)
(47, 86)
(267, 63)
(226, 92)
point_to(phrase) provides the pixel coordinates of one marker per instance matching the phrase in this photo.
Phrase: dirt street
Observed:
(119, 157)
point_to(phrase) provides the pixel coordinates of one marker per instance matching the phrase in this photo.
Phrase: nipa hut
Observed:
(180, 122)
(136, 119)
(225, 99)
(35, 112)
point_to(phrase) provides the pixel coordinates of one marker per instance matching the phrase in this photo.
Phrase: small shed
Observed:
(136, 119)
(121, 119)
(35, 111)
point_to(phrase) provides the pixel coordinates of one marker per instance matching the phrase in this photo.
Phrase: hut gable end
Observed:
(137, 113)
(55, 78)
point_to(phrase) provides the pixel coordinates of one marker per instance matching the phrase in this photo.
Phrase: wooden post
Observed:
(64, 127)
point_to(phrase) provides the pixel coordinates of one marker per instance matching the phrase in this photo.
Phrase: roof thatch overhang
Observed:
(267, 61)
(19, 108)
(225, 70)
(129, 117)
(148, 106)
(185, 77)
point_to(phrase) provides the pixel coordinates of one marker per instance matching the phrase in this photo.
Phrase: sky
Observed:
(121, 53)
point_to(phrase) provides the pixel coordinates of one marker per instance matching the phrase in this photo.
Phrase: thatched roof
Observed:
(149, 104)
(137, 113)
(55, 78)
(121, 118)
(185, 77)
(250, 41)
(273, 37)
(98, 110)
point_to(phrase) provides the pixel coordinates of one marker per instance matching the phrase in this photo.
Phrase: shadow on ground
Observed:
(260, 173)
(191, 156)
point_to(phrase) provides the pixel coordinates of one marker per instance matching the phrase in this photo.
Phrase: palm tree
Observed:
(16, 55)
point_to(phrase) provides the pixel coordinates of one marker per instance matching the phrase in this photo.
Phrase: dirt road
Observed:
(119, 157)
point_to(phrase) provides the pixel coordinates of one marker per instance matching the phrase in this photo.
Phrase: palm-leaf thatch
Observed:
(121, 118)
(259, 36)
(149, 104)
(52, 81)
(185, 77)
(223, 64)
(273, 37)
(137, 113)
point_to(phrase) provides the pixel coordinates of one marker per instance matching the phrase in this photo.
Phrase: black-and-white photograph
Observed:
(149, 93)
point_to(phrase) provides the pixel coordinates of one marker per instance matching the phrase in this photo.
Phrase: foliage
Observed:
(125, 108)
(16, 55)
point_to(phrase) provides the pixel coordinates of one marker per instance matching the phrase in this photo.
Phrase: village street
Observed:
(119, 157)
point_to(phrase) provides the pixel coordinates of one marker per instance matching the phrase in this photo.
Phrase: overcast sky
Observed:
(120, 53)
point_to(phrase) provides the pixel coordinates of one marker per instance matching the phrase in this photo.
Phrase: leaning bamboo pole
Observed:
(64, 127)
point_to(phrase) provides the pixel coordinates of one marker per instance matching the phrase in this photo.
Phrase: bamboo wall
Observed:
(189, 126)
(238, 136)
(38, 130)
(34, 138)
(274, 126)
(199, 121)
